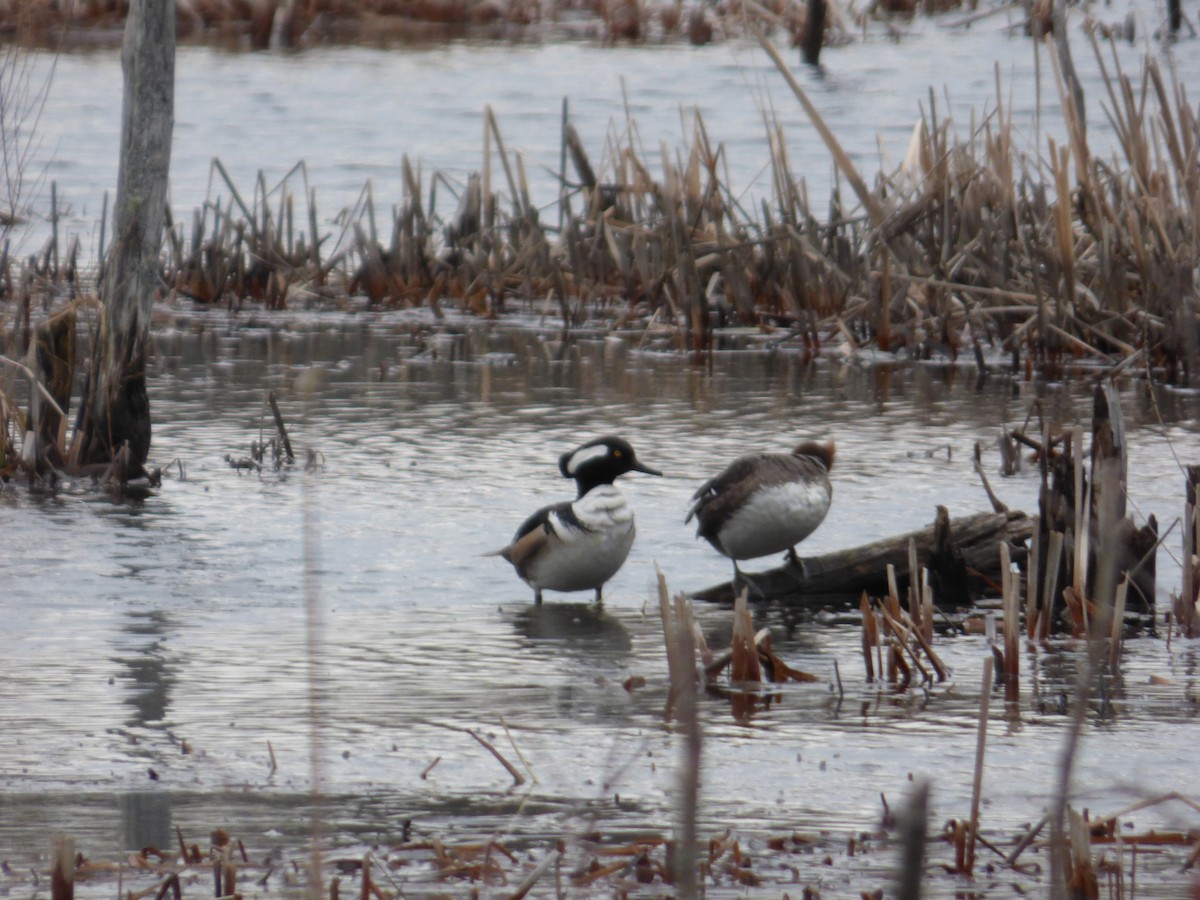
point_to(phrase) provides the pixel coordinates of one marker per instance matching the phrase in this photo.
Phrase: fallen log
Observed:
(963, 556)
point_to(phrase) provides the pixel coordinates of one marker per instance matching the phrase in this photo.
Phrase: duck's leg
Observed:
(599, 596)
(537, 596)
(797, 562)
(741, 579)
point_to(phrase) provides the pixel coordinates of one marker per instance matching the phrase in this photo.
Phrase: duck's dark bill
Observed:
(641, 467)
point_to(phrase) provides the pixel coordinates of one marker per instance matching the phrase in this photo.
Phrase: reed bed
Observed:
(260, 24)
(967, 248)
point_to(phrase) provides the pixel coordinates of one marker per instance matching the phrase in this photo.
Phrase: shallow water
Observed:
(130, 632)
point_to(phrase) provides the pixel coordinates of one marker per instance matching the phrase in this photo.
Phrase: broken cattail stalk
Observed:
(681, 666)
(62, 868)
(1028, 838)
(1076, 612)
(1109, 478)
(1083, 505)
(745, 665)
(1053, 562)
(893, 588)
(901, 633)
(1031, 585)
(1082, 881)
(1118, 624)
(891, 606)
(1012, 605)
(980, 747)
(899, 672)
(927, 610)
(870, 633)
(914, 575)
(1185, 612)
(940, 668)
(958, 836)
(283, 435)
(722, 658)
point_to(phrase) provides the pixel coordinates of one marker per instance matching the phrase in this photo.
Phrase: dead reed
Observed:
(261, 25)
(968, 247)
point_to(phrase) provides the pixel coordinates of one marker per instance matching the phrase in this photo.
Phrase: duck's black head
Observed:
(600, 462)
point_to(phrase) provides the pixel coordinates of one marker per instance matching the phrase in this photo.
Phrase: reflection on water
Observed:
(583, 627)
(146, 820)
(148, 667)
(125, 632)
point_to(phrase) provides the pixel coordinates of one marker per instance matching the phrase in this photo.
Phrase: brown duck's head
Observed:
(822, 450)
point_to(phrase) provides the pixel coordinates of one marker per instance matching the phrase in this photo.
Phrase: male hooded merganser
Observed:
(580, 545)
(765, 503)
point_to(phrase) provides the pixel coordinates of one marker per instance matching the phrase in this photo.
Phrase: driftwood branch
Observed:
(518, 778)
(970, 543)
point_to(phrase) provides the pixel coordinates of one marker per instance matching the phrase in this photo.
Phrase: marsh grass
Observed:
(968, 248)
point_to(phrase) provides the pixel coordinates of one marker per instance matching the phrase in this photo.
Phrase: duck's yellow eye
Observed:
(617, 454)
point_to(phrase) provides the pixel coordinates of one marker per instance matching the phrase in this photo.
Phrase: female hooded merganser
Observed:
(580, 545)
(766, 502)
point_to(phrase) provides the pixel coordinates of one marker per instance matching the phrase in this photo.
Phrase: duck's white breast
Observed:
(775, 518)
(583, 558)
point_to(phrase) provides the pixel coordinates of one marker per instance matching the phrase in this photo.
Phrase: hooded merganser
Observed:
(765, 503)
(580, 545)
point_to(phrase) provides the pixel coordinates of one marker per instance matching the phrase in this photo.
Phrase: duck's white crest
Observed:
(579, 457)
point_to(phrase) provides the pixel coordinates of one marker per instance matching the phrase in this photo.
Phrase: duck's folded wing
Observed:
(532, 535)
(527, 545)
(726, 490)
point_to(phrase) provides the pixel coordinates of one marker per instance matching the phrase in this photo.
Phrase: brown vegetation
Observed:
(293, 24)
(961, 250)
(965, 249)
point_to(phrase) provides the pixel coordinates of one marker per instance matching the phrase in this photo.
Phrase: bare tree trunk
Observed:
(814, 35)
(117, 406)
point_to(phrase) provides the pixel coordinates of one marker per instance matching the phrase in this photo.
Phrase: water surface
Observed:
(151, 650)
